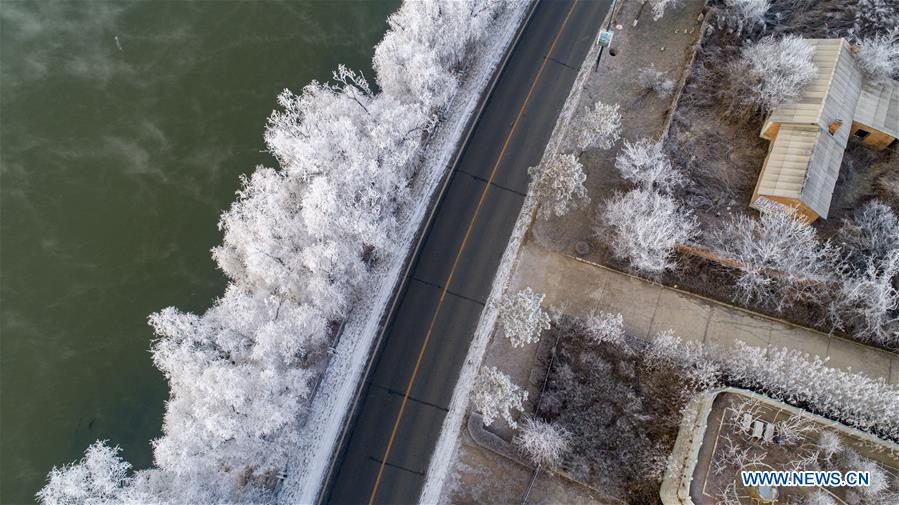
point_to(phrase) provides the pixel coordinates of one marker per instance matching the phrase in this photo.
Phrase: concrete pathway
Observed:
(578, 287)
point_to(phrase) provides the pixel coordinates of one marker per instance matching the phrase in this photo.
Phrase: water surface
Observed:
(123, 129)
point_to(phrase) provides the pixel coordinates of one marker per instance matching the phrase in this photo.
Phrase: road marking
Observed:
(449, 279)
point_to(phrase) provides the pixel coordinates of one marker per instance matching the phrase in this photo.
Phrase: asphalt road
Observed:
(429, 334)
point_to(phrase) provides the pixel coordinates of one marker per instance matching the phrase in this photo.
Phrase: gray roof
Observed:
(804, 159)
(831, 95)
(821, 178)
(878, 107)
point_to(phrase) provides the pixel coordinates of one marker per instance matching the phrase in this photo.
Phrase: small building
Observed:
(809, 134)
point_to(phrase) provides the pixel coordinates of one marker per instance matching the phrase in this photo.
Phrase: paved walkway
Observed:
(579, 287)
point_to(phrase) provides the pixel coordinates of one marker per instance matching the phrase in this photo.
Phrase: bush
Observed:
(873, 16)
(767, 74)
(543, 443)
(878, 56)
(743, 15)
(644, 164)
(598, 127)
(652, 80)
(646, 226)
(659, 7)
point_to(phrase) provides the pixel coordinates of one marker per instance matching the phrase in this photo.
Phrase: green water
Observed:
(123, 129)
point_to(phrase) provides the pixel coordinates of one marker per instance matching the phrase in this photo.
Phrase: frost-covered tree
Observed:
(522, 317)
(767, 74)
(100, 477)
(871, 233)
(781, 259)
(646, 227)
(542, 442)
(598, 127)
(743, 15)
(795, 378)
(878, 56)
(495, 395)
(559, 185)
(867, 301)
(654, 81)
(643, 163)
(238, 375)
(304, 232)
(605, 327)
(659, 6)
(421, 54)
(794, 429)
(830, 444)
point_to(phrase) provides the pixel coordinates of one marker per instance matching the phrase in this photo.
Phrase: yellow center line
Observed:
(449, 279)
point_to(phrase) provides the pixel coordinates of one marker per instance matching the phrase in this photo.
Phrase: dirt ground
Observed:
(482, 476)
(665, 45)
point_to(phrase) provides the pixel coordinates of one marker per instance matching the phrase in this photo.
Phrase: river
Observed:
(124, 127)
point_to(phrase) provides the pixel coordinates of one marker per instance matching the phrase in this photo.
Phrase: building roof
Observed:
(788, 159)
(804, 159)
(786, 173)
(831, 95)
(827, 156)
(878, 107)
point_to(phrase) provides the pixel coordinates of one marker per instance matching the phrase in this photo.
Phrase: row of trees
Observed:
(523, 320)
(787, 375)
(853, 276)
(558, 181)
(495, 395)
(299, 244)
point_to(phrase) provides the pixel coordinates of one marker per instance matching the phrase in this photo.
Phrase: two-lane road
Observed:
(408, 389)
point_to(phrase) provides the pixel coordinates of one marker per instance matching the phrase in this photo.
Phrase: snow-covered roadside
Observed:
(443, 455)
(337, 391)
